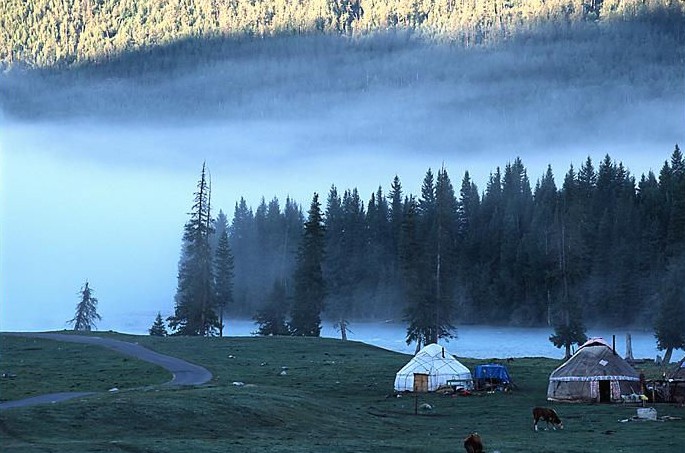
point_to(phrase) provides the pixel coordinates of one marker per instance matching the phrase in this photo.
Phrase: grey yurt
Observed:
(595, 373)
(680, 371)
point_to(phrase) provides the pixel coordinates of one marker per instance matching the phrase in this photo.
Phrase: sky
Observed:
(104, 198)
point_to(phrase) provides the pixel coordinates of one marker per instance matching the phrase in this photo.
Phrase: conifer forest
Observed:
(515, 252)
(591, 243)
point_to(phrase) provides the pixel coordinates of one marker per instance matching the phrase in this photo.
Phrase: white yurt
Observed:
(432, 367)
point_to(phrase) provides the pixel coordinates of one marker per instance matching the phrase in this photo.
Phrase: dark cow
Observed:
(548, 415)
(473, 443)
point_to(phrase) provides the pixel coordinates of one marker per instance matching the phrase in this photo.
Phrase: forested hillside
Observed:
(63, 32)
(435, 78)
(597, 241)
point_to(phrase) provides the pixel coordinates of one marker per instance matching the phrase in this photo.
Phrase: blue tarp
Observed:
(492, 371)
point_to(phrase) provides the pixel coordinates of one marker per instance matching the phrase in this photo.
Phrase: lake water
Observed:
(481, 342)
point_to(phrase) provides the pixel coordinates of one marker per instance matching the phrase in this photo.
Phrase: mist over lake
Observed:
(481, 342)
(97, 176)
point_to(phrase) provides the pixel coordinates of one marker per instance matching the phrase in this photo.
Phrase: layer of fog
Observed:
(98, 171)
(482, 342)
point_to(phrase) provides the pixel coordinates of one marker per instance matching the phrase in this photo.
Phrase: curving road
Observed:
(184, 373)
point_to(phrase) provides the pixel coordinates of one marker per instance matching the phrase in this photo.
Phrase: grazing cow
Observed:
(473, 443)
(548, 415)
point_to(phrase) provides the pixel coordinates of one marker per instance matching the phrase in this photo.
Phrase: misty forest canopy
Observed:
(58, 33)
(594, 246)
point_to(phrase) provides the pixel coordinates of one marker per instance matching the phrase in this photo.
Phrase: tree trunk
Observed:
(629, 348)
(667, 357)
(437, 288)
(343, 330)
(568, 351)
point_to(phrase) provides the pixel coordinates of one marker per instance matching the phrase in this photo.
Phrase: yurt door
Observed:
(420, 382)
(604, 391)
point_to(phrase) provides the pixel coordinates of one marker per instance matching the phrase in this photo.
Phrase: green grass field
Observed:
(335, 397)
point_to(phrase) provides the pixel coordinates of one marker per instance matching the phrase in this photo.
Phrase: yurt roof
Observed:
(435, 350)
(680, 371)
(595, 360)
(431, 360)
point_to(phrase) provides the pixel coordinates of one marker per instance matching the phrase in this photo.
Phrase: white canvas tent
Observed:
(430, 368)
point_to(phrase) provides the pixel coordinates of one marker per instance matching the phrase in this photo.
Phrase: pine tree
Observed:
(292, 234)
(542, 245)
(86, 310)
(676, 219)
(417, 312)
(467, 240)
(430, 269)
(469, 202)
(569, 333)
(158, 328)
(567, 316)
(444, 255)
(355, 258)
(220, 225)
(487, 253)
(271, 319)
(195, 310)
(243, 246)
(669, 325)
(309, 291)
(395, 214)
(421, 265)
(512, 283)
(335, 264)
(223, 272)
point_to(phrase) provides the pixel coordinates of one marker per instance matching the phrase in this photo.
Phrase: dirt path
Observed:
(184, 373)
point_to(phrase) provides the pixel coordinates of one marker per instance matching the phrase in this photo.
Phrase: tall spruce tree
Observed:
(309, 291)
(467, 240)
(565, 313)
(444, 255)
(432, 271)
(544, 272)
(488, 257)
(418, 313)
(195, 310)
(676, 220)
(223, 273)
(669, 325)
(244, 247)
(86, 310)
(335, 264)
(517, 202)
(396, 213)
(220, 225)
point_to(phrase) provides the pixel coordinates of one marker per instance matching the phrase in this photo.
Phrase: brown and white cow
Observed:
(548, 415)
(473, 443)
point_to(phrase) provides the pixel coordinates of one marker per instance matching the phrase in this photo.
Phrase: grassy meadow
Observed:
(334, 397)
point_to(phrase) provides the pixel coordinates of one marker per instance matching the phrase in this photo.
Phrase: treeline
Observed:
(599, 242)
(64, 32)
